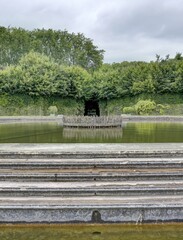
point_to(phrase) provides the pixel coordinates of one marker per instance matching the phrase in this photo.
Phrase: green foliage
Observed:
(53, 110)
(35, 75)
(128, 110)
(160, 108)
(4, 101)
(124, 79)
(105, 82)
(78, 80)
(116, 106)
(148, 86)
(167, 104)
(13, 105)
(57, 64)
(31, 105)
(38, 75)
(145, 107)
(65, 48)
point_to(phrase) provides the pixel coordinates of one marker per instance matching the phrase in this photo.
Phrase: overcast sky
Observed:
(128, 30)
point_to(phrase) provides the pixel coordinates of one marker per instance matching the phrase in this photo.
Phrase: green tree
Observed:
(146, 86)
(77, 79)
(35, 75)
(65, 48)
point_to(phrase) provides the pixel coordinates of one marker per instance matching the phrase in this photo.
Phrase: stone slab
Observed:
(126, 188)
(66, 210)
(91, 150)
(93, 209)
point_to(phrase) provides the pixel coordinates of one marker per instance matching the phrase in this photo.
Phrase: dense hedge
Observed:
(39, 75)
(14, 105)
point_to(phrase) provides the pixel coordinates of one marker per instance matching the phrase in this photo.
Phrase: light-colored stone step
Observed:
(112, 163)
(93, 209)
(91, 183)
(41, 202)
(68, 175)
(91, 150)
(126, 188)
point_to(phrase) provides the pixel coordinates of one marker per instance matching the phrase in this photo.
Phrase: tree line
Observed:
(56, 63)
(65, 48)
(132, 78)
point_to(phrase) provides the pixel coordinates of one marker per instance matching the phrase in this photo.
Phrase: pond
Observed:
(87, 232)
(141, 132)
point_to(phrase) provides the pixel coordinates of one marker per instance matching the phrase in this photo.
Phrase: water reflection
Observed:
(87, 232)
(129, 133)
(153, 132)
(101, 134)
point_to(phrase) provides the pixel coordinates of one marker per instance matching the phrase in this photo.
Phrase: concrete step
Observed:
(93, 209)
(76, 151)
(69, 175)
(112, 163)
(91, 183)
(100, 201)
(127, 188)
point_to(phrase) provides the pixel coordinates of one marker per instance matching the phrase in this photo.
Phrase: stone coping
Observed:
(92, 201)
(161, 118)
(28, 119)
(103, 148)
(91, 210)
(125, 118)
(78, 150)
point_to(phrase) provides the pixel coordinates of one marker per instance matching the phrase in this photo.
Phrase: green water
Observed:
(53, 133)
(87, 232)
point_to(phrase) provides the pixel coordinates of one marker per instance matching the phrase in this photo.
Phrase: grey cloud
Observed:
(125, 29)
(140, 29)
(149, 18)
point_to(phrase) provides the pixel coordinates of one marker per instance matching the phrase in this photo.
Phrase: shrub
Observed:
(145, 107)
(53, 110)
(128, 110)
(160, 109)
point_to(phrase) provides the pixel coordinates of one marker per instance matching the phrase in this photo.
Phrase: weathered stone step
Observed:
(93, 209)
(113, 163)
(92, 171)
(127, 188)
(68, 175)
(91, 150)
(91, 201)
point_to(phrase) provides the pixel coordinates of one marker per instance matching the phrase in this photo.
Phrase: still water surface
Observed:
(129, 133)
(87, 232)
